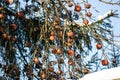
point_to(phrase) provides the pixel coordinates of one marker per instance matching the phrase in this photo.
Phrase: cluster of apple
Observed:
(11, 26)
(78, 8)
(8, 2)
(45, 72)
(104, 62)
(5, 35)
(70, 38)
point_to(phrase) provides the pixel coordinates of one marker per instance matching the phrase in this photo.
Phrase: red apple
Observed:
(27, 44)
(36, 60)
(70, 33)
(54, 50)
(85, 21)
(69, 40)
(13, 26)
(78, 56)
(21, 15)
(2, 15)
(1, 8)
(87, 5)
(57, 27)
(98, 46)
(89, 14)
(70, 62)
(57, 20)
(43, 75)
(59, 51)
(9, 2)
(71, 52)
(105, 62)
(70, 4)
(52, 38)
(114, 60)
(77, 8)
(59, 72)
(85, 71)
(4, 36)
(51, 69)
(69, 44)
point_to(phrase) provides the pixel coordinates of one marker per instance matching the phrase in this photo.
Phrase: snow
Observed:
(107, 74)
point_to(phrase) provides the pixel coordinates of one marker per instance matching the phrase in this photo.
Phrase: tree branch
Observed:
(105, 16)
(110, 2)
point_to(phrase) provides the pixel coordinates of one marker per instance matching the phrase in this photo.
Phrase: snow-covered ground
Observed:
(107, 74)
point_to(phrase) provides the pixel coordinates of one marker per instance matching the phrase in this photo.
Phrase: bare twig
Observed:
(110, 2)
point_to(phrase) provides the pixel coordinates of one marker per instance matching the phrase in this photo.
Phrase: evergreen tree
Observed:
(54, 39)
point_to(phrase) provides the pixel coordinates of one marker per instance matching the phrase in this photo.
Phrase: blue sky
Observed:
(103, 8)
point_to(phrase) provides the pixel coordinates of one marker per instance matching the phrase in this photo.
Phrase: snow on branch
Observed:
(100, 18)
(107, 74)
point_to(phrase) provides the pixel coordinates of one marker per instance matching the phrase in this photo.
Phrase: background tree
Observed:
(47, 40)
